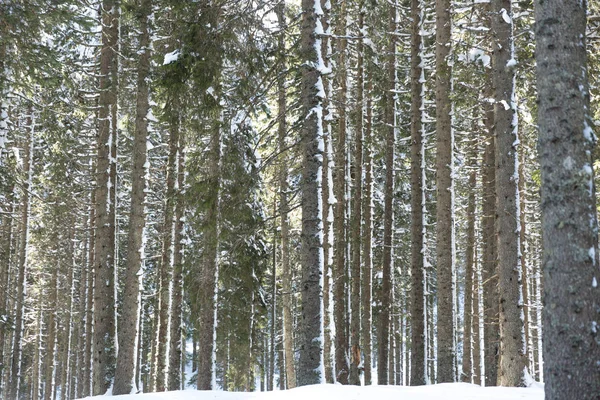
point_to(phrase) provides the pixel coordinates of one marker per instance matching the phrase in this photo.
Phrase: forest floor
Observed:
(445, 391)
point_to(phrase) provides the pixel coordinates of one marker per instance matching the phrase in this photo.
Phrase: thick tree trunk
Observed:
(104, 258)
(445, 195)
(310, 366)
(166, 265)
(342, 369)
(388, 213)
(512, 367)
(125, 382)
(417, 161)
(569, 216)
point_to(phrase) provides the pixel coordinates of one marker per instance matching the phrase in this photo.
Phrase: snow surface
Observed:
(445, 391)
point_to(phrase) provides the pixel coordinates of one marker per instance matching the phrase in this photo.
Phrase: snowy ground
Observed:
(446, 391)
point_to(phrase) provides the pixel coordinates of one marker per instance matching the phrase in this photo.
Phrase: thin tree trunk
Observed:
(104, 258)
(512, 367)
(417, 295)
(15, 374)
(342, 369)
(286, 277)
(129, 336)
(477, 337)
(469, 311)
(273, 333)
(208, 278)
(356, 231)
(569, 215)
(489, 274)
(177, 352)
(50, 357)
(310, 365)
(524, 269)
(388, 213)
(8, 224)
(367, 273)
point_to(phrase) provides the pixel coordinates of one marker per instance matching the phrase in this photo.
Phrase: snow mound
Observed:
(445, 391)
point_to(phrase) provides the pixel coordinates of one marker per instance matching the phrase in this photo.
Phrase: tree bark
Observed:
(310, 366)
(208, 278)
(125, 382)
(445, 195)
(15, 372)
(50, 357)
(469, 312)
(356, 279)
(491, 333)
(104, 300)
(512, 366)
(367, 272)
(388, 213)
(568, 202)
(342, 369)
(417, 204)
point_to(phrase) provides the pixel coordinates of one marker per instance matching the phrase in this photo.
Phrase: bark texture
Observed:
(512, 367)
(129, 322)
(104, 290)
(569, 219)
(445, 196)
(417, 244)
(310, 363)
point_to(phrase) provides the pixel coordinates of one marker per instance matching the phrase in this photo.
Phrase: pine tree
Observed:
(569, 221)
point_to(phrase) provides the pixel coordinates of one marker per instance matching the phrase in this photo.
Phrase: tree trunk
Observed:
(491, 333)
(208, 278)
(177, 346)
(512, 358)
(367, 273)
(417, 205)
(388, 213)
(569, 216)
(104, 290)
(342, 369)
(15, 372)
(310, 366)
(445, 195)
(50, 357)
(469, 312)
(125, 382)
(355, 303)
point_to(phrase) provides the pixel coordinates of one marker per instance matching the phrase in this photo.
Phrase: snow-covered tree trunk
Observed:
(19, 301)
(125, 382)
(512, 366)
(86, 370)
(417, 266)
(388, 213)
(310, 366)
(569, 215)
(104, 258)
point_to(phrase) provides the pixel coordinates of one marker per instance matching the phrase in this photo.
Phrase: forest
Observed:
(259, 195)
